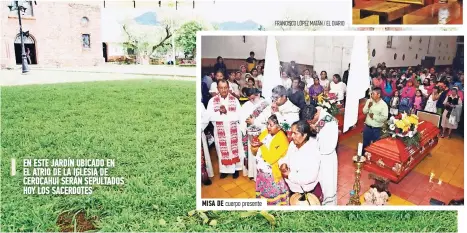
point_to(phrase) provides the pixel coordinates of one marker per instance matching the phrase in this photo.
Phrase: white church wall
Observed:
(233, 47)
(324, 53)
(115, 49)
(414, 48)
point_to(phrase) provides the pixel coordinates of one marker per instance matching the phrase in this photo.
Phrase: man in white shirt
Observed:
(223, 111)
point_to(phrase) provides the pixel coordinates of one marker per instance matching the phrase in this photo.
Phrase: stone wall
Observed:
(57, 30)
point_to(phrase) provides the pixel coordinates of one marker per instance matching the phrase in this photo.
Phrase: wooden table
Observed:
(388, 12)
(429, 14)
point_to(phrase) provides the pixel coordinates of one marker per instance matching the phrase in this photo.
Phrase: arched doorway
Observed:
(29, 43)
(104, 51)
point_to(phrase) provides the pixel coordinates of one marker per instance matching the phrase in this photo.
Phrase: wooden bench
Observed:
(370, 20)
(388, 12)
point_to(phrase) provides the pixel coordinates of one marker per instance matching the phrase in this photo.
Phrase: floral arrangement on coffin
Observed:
(329, 103)
(403, 126)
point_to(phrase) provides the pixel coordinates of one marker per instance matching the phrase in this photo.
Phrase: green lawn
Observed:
(148, 126)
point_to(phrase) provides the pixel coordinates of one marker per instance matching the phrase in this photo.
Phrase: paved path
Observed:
(162, 70)
(39, 76)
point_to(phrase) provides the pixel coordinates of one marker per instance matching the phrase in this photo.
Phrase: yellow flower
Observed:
(405, 129)
(307, 96)
(406, 121)
(320, 98)
(400, 124)
(413, 119)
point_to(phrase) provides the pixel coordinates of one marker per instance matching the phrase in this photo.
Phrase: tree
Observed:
(186, 37)
(147, 40)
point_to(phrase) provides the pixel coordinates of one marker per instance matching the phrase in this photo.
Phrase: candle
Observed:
(360, 148)
(440, 181)
(431, 176)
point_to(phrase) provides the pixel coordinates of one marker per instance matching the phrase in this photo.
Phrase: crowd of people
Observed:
(270, 141)
(287, 145)
(303, 87)
(411, 90)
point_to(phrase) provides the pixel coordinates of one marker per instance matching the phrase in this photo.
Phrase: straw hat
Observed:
(312, 200)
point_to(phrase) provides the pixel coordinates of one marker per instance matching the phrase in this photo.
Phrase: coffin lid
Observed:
(395, 149)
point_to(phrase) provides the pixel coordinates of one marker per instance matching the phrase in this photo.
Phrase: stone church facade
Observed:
(61, 34)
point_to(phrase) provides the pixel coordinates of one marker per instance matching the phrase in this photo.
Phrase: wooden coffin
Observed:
(391, 159)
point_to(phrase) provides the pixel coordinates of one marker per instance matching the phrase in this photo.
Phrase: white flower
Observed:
(392, 119)
(327, 105)
(394, 135)
(410, 134)
(392, 127)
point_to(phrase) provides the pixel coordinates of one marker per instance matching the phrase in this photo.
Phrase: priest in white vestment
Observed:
(302, 164)
(286, 112)
(326, 128)
(224, 112)
(207, 171)
(252, 108)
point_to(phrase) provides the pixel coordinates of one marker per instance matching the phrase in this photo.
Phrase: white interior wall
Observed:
(324, 53)
(441, 47)
(333, 53)
(233, 47)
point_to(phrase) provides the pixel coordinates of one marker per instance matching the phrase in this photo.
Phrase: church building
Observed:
(60, 34)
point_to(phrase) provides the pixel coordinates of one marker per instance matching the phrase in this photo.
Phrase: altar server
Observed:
(252, 108)
(206, 165)
(326, 128)
(287, 113)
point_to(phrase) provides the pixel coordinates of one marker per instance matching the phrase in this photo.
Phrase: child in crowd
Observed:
(418, 102)
(251, 61)
(394, 104)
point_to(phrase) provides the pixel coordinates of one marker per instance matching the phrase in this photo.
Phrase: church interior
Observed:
(407, 12)
(437, 175)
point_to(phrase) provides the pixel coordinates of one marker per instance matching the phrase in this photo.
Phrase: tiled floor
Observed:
(446, 162)
(242, 187)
